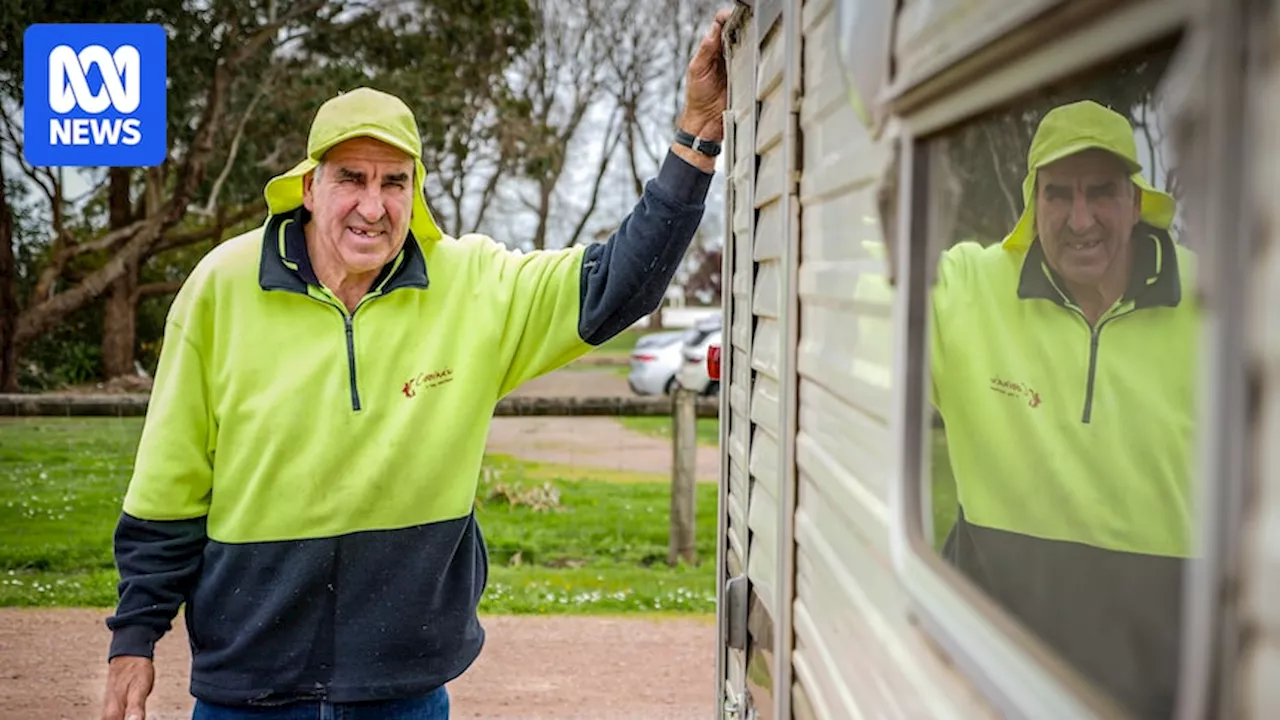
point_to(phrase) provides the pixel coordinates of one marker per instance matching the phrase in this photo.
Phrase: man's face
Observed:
(1086, 209)
(360, 202)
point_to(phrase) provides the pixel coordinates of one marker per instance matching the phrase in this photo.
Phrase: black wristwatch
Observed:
(710, 148)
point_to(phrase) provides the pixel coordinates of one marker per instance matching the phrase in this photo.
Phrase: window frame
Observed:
(1216, 117)
(1014, 669)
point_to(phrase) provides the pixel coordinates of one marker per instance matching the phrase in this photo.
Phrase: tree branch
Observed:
(212, 203)
(172, 242)
(529, 204)
(197, 157)
(607, 148)
(431, 208)
(995, 165)
(93, 190)
(63, 253)
(45, 313)
(648, 147)
(29, 171)
(262, 35)
(156, 288)
(487, 195)
(637, 181)
(1151, 145)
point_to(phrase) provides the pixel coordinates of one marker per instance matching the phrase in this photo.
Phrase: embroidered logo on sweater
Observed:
(1016, 390)
(426, 381)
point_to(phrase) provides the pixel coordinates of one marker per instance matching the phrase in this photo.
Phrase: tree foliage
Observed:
(245, 78)
(987, 158)
(526, 109)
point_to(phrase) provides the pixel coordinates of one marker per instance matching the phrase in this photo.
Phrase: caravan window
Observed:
(1063, 340)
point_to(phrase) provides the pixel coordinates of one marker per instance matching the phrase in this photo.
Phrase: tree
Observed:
(647, 68)
(704, 278)
(213, 45)
(8, 283)
(244, 78)
(556, 82)
(988, 158)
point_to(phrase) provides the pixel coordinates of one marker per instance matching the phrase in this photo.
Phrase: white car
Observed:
(693, 368)
(654, 361)
(657, 358)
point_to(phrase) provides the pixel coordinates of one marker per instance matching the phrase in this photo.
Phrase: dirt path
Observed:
(52, 667)
(589, 442)
(584, 381)
(597, 442)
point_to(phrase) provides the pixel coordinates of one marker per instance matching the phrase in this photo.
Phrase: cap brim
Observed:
(1080, 146)
(370, 131)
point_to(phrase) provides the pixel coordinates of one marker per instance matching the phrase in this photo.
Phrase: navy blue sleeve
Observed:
(625, 278)
(158, 564)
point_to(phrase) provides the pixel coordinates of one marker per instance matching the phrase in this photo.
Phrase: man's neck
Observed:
(349, 288)
(1095, 300)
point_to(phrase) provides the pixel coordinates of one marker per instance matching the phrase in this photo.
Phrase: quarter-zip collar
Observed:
(1154, 279)
(1153, 282)
(286, 264)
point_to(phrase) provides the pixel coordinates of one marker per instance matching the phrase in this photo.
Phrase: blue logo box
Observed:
(94, 95)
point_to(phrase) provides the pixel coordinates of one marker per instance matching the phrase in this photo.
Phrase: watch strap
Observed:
(710, 148)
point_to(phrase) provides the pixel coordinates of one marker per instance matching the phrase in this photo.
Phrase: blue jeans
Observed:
(434, 706)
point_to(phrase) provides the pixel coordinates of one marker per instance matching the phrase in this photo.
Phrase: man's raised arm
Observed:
(624, 279)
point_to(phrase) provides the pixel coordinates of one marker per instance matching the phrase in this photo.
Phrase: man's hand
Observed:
(706, 92)
(129, 682)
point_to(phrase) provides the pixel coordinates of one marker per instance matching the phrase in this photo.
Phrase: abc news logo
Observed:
(69, 89)
(95, 95)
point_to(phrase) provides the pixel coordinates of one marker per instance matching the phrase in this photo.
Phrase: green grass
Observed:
(598, 546)
(540, 471)
(602, 549)
(60, 487)
(622, 343)
(708, 428)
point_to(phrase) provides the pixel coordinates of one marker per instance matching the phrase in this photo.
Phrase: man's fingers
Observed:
(710, 44)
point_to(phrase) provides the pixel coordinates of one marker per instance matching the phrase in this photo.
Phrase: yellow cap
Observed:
(1069, 129)
(363, 112)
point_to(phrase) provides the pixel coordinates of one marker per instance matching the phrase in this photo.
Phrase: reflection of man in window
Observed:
(1063, 369)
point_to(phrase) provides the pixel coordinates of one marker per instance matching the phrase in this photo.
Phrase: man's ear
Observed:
(308, 183)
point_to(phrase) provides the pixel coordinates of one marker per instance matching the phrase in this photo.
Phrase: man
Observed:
(1064, 370)
(306, 474)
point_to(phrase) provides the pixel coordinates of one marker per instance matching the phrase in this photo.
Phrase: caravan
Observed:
(881, 429)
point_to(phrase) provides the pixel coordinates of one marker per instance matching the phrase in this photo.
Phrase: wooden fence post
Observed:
(684, 496)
